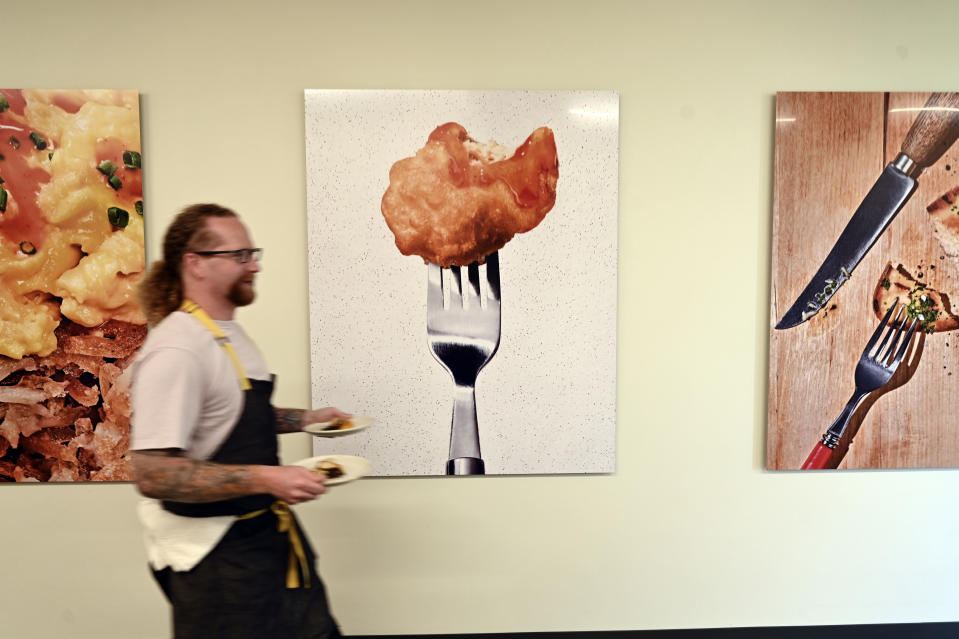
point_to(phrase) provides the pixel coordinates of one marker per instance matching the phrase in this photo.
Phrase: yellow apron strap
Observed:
(284, 523)
(193, 309)
(255, 513)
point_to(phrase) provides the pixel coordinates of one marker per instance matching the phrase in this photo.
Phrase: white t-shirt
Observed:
(186, 393)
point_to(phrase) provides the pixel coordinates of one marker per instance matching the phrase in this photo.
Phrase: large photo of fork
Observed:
(842, 395)
(504, 366)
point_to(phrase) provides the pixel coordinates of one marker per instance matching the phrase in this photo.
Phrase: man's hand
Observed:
(292, 484)
(323, 415)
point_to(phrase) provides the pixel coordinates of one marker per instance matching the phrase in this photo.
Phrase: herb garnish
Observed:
(3, 200)
(115, 182)
(118, 217)
(38, 141)
(107, 167)
(922, 307)
(4, 105)
(885, 284)
(14, 142)
(28, 248)
(139, 207)
(131, 159)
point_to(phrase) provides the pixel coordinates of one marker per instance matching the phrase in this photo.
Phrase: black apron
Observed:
(239, 590)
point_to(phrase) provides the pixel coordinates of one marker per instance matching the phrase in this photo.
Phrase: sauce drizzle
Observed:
(526, 173)
(23, 177)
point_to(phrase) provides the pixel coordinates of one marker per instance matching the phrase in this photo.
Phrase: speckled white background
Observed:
(546, 401)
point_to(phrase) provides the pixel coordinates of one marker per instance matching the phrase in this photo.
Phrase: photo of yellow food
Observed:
(71, 254)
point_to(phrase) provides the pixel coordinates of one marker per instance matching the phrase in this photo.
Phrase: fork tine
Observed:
(492, 275)
(434, 287)
(882, 324)
(895, 330)
(452, 274)
(471, 294)
(905, 345)
(892, 329)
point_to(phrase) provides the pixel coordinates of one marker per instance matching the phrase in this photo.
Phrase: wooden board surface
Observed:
(830, 149)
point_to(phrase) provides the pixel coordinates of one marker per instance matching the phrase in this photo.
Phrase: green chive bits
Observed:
(118, 217)
(139, 207)
(38, 141)
(107, 167)
(131, 159)
(3, 200)
(115, 182)
(4, 105)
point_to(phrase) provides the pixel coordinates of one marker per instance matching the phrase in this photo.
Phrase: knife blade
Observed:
(934, 130)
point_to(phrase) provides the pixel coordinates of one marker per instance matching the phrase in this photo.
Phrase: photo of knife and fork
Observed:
(865, 253)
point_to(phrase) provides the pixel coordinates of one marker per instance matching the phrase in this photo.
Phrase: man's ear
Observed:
(192, 266)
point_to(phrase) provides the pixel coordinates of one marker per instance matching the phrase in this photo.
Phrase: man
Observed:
(221, 540)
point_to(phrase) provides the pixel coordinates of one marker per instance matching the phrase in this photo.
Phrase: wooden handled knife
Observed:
(935, 129)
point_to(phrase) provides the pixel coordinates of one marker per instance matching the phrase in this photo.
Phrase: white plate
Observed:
(353, 467)
(359, 423)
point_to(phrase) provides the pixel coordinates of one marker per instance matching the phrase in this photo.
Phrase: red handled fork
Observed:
(874, 370)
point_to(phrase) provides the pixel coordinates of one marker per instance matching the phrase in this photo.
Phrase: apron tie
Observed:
(285, 524)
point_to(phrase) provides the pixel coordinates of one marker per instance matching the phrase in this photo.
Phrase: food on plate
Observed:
(932, 308)
(71, 255)
(944, 215)
(330, 469)
(457, 200)
(340, 423)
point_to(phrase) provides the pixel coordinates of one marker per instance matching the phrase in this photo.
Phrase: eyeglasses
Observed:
(241, 256)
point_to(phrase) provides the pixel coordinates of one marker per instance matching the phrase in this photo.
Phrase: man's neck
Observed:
(218, 309)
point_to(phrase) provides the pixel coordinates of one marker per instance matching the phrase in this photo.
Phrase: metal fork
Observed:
(873, 371)
(463, 335)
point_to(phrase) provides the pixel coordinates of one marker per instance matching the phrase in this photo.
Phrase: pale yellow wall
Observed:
(690, 532)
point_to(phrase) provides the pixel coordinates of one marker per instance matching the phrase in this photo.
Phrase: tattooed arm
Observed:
(289, 420)
(292, 420)
(167, 474)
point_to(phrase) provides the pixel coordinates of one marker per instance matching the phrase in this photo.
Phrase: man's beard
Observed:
(240, 294)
